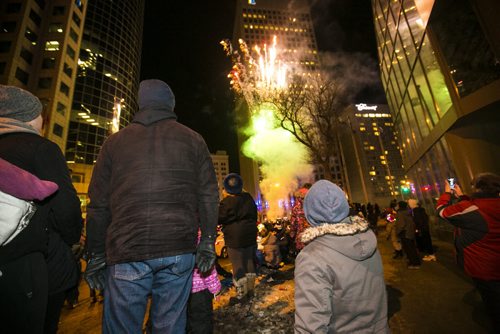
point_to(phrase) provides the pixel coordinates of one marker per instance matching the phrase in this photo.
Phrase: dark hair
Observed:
(487, 183)
(402, 205)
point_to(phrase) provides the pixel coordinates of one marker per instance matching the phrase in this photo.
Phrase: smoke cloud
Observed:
(283, 160)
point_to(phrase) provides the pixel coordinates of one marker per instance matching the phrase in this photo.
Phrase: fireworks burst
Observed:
(257, 73)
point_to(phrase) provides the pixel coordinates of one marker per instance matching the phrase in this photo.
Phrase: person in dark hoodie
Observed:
(152, 188)
(37, 267)
(339, 278)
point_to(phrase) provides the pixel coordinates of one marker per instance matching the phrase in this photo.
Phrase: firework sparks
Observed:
(258, 74)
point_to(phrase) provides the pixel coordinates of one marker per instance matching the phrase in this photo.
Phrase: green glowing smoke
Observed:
(283, 159)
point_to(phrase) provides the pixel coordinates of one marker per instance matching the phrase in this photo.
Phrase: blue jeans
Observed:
(168, 280)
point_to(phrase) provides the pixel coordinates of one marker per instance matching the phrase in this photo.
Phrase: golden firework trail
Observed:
(257, 73)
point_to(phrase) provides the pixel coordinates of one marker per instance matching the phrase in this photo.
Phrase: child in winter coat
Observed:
(272, 255)
(200, 307)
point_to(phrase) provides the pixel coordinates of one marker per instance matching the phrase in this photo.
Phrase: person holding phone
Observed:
(477, 238)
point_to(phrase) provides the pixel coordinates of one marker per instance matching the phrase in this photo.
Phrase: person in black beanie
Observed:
(37, 267)
(152, 188)
(238, 217)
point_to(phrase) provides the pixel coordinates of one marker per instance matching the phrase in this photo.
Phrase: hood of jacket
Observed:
(351, 237)
(156, 102)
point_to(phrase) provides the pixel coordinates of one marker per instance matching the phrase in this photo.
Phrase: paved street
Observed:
(435, 299)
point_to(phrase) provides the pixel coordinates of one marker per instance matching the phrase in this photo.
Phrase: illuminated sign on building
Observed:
(252, 2)
(364, 106)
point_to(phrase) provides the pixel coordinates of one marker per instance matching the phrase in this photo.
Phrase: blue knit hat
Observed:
(325, 203)
(233, 183)
(155, 94)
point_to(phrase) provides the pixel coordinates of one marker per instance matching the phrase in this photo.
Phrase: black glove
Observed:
(95, 273)
(205, 254)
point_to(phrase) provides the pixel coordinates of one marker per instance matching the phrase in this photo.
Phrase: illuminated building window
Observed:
(31, 36)
(372, 148)
(51, 46)
(56, 27)
(373, 173)
(362, 128)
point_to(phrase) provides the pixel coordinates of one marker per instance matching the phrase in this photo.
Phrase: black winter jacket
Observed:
(57, 223)
(238, 217)
(153, 185)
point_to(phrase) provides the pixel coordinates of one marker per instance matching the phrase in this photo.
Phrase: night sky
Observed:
(181, 47)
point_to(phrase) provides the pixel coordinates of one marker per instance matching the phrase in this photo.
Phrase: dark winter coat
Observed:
(153, 185)
(421, 219)
(405, 226)
(57, 223)
(238, 217)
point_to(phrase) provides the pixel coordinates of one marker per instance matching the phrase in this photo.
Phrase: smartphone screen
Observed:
(451, 181)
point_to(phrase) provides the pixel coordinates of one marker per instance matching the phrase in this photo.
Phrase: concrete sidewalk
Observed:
(437, 298)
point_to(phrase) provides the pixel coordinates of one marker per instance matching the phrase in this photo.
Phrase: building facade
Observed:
(105, 95)
(221, 165)
(440, 66)
(39, 45)
(257, 22)
(373, 164)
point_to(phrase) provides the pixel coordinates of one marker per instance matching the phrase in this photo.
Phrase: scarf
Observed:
(10, 125)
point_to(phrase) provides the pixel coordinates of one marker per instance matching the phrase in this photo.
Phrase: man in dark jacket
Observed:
(477, 236)
(405, 230)
(238, 217)
(37, 267)
(152, 187)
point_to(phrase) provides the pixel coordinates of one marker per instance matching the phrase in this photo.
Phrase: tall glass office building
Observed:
(107, 82)
(440, 66)
(108, 76)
